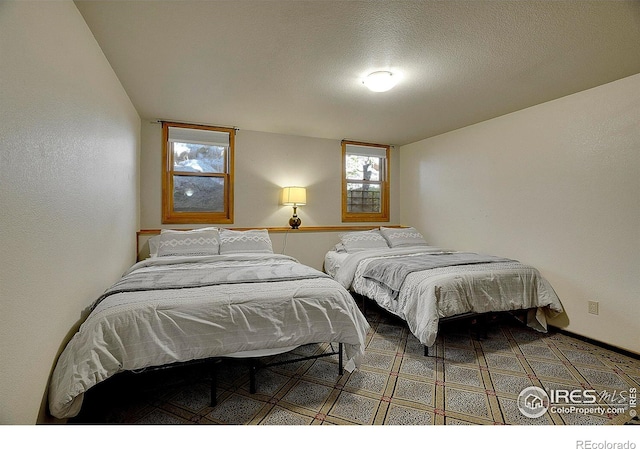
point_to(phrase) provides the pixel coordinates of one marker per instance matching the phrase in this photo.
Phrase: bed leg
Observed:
(485, 326)
(426, 351)
(340, 361)
(480, 325)
(214, 382)
(253, 368)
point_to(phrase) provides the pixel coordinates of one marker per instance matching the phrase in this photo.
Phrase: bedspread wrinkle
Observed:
(392, 272)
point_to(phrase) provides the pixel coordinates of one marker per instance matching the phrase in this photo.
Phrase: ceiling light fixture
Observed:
(380, 81)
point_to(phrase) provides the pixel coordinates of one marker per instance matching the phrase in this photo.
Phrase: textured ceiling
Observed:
(295, 67)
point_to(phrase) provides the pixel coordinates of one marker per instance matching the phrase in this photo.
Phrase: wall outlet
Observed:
(593, 307)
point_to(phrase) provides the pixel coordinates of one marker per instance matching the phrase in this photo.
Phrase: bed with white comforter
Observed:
(424, 284)
(181, 308)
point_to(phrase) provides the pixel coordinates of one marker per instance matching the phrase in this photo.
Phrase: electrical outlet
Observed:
(593, 307)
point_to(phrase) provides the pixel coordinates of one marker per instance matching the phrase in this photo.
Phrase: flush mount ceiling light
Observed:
(380, 81)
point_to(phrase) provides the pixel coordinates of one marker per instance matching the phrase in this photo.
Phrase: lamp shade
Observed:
(294, 196)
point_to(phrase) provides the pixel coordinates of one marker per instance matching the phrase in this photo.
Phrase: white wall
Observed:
(556, 186)
(69, 140)
(264, 163)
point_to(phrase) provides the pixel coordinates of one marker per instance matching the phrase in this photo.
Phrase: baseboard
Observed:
(597, 343)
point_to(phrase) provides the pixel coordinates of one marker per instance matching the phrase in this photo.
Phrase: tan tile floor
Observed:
(468, 381)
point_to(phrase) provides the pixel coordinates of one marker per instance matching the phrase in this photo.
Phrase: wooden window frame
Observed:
(169, 215)
(383, 215)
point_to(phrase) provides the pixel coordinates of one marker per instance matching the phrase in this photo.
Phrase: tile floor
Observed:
(467, 381)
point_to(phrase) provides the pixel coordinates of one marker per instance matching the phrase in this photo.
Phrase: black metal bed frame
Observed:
(254, 365)
(478, 321)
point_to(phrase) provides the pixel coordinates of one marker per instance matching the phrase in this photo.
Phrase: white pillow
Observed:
(339, 248)
(153, 242)
(398, 237)
(363, 240)
(189, 243)
(190, 231)
(252, 241)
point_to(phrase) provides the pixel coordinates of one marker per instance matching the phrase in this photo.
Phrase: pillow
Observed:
(363, 240)
(397, 237)
(188, 243)
(252, 241)
(192, 231)
(339, 248)
(154, 242)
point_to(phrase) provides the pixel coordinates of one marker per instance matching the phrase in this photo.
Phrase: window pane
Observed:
(198, 194)
(363, 198)
(363, 167)
(194, 157)
(365, 186)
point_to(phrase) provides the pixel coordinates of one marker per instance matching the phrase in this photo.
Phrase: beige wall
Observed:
(555, 186)
(69, 139)
(264, 163)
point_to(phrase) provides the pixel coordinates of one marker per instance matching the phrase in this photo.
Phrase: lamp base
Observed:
(294, 222)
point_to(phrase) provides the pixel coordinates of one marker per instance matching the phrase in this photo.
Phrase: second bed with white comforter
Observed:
(441, 284)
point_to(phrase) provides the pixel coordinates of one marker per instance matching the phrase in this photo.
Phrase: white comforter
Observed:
(429, 295)
(131, 330)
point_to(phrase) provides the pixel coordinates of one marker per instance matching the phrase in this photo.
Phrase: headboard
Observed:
(143, 235)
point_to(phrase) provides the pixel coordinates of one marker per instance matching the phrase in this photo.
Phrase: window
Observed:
(197, 181)
(365, 181)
